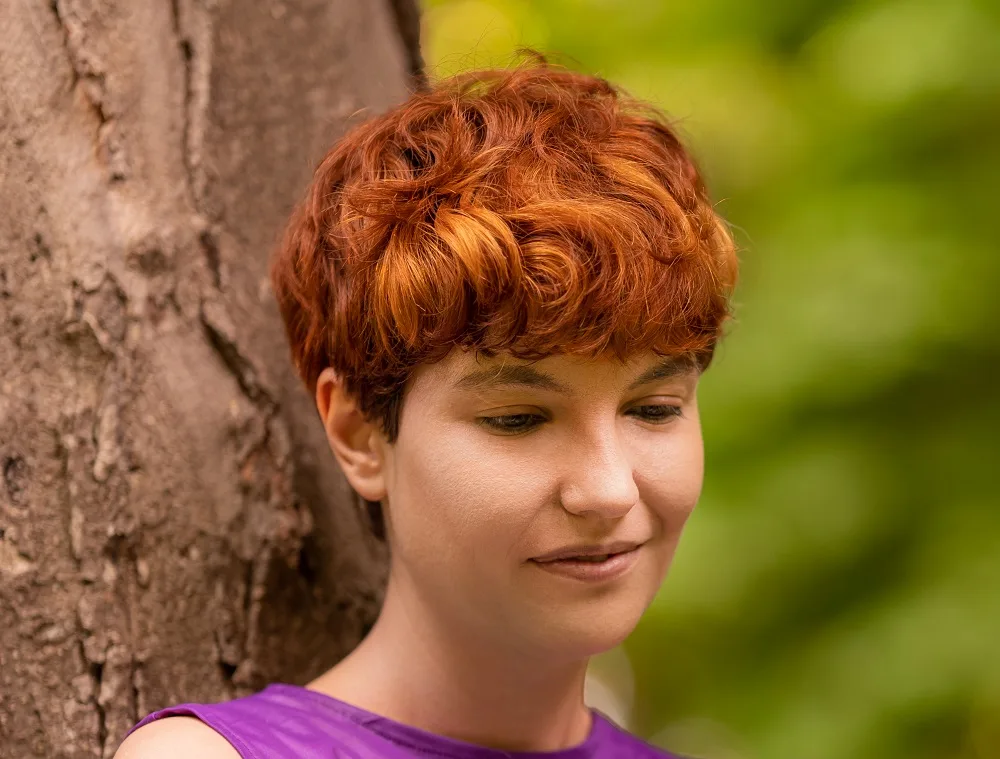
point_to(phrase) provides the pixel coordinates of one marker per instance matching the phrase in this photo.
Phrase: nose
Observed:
(599, 481)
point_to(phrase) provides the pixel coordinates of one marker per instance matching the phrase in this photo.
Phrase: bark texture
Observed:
(172, 524)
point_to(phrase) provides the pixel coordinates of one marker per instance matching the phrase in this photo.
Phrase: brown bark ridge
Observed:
(172, 524)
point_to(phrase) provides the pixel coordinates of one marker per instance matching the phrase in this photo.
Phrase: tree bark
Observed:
(172, 524)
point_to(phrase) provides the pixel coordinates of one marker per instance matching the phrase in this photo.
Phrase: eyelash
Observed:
(494, 423)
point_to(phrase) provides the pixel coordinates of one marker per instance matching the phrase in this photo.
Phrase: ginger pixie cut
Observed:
(532, 210)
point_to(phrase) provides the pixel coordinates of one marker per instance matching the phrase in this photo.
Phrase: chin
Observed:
(583, 633)
(582, 644)
(570, 621)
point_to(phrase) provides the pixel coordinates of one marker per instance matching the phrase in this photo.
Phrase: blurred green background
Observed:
(837, 592)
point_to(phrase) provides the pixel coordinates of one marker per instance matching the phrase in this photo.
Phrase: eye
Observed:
(512, 422)
(657, 413)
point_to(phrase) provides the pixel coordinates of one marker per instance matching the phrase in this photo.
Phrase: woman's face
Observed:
(500, 462)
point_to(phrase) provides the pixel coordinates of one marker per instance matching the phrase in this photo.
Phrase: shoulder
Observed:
(176, 736)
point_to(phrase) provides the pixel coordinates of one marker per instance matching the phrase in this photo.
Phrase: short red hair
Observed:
(534, 210)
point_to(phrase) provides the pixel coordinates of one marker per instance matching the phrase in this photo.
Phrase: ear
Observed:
(357, 443)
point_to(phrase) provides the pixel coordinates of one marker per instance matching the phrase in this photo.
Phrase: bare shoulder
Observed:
(176, 736)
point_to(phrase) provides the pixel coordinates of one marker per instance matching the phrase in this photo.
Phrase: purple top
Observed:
(288, 721)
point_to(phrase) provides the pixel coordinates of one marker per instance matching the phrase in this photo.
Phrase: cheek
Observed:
(457, 494)
(670, 478)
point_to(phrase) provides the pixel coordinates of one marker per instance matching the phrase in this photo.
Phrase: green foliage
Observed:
(837, 593)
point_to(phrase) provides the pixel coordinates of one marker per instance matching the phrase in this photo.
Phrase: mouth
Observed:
(595, 559)
(591, 567)
(589, 553)
(591, 559)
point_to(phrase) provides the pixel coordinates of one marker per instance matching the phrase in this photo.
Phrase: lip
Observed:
(612, 568)
(570, 552)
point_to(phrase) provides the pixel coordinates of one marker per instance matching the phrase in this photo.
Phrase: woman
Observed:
(502, 295)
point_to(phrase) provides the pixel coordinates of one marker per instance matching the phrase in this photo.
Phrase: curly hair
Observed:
(533, 210)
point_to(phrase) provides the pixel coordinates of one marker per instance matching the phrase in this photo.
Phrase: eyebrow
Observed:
(525, 375)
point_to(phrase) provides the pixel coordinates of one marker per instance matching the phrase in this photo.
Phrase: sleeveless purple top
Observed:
(290, 722)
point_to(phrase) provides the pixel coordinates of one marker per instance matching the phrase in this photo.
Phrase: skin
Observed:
(475, 641)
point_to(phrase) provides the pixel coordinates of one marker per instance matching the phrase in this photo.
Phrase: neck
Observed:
(425, 672)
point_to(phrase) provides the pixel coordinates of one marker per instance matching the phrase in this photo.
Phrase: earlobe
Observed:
(354, 440)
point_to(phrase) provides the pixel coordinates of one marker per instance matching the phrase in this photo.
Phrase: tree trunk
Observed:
(172, 524)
